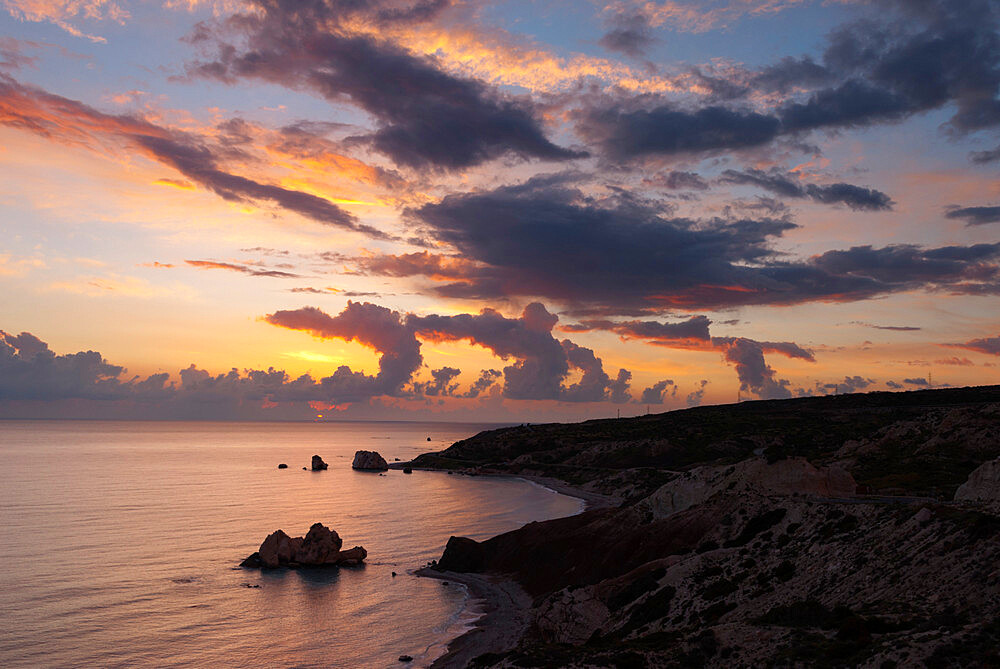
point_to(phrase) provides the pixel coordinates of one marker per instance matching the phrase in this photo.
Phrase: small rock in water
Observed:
(282, 466)
(407, 470)
(396, 459)
(394, 574)
(369, 460)
(428, 438)
(318, 464)
(405, 658)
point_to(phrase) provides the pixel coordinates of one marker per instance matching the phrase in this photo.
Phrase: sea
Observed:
(121, 543)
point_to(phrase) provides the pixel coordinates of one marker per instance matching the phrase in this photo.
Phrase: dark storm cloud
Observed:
(901, 265)
(371, 325)
(755, 375)
(782, 183)
(923, 56)
(917, 382)
(695, 397)
(619, 255)
(440, 383)
(541, 362)
(654, 394)
(487, 378)
(694, 328)
(545, 238)
(746, 355)
(975, 215)
(988, 345)
(850, 384)
(619, 388)
(30, 372)
(788, 74)
(624, 134)
(425, 117)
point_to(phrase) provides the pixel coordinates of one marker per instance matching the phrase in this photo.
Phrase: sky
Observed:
(515, 211)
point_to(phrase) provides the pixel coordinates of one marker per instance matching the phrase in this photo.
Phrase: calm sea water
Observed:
(121, 540)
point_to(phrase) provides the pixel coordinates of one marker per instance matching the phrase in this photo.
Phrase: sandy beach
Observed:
(504, 603)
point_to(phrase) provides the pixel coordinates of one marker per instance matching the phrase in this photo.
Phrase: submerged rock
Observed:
(369, 460)
(318, 464)
(320, 547)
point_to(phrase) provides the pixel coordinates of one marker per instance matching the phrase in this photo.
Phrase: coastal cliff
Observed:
(811, 532)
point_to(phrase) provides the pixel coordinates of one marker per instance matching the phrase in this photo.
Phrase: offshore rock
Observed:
(352, 556)
(370, 461)
(320, 547)
(318, 464)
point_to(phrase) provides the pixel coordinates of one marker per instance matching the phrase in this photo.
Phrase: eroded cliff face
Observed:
(854, 556)
(746, 579)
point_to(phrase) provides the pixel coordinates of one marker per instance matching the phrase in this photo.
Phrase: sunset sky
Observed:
(512, 211)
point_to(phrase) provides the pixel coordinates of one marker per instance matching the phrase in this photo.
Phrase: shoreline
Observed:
(504, 603)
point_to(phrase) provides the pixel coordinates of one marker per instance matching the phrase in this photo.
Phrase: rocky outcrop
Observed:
(320, 547)
(352, 556)
(983, 485)
(369, 461)
(318, 464)
(283, 466)
(463, 555)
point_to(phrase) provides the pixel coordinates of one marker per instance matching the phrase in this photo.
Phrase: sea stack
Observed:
(369, 461)
(318, 464)
(319, 548)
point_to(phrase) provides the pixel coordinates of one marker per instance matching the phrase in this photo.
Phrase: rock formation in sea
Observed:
(283, 466)
(318, 464)
(857, 530)
(320, 547)
(369, 461)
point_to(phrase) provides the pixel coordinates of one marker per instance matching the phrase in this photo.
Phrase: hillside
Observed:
(809, 532)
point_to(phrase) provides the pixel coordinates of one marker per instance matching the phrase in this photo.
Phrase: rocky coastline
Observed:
(843, 531)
